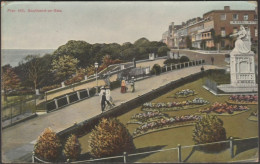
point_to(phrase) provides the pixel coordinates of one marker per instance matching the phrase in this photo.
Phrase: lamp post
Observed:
(96, 66)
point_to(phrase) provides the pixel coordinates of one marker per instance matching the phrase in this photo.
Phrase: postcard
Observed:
(129, 82)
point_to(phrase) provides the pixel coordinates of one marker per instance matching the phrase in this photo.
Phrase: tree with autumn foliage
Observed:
(110, 137)
(10, 81)
(48, 146)
(72, 147)
(106, 61)
(209, 129)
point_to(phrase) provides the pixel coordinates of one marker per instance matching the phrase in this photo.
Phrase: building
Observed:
(226, 22)
(213, 29)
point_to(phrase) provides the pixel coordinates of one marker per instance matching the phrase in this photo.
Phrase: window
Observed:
(245, 17)
(235, 16)
(235, 30)
(223, 17)
(256, 32)
(255, 17)
(223, 32)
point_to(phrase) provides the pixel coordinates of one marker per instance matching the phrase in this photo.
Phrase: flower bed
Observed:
(220, 108)
(243, 99)
(139, 118)
(173, 106)
(184, 93)
(163, 123)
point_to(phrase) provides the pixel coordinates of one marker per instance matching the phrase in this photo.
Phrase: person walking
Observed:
(109, 97)
(212, 60)
(103, 102)
(132, 83)
(123, 86)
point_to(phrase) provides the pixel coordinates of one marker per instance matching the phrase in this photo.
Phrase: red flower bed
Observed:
(243, 98)
(224, 108)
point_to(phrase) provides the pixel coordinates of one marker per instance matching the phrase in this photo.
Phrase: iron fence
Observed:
(18, 110)
(177, 154)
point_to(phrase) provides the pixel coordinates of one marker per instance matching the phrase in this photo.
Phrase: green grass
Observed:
(237, 126)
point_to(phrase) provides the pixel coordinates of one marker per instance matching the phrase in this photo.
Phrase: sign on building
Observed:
(243, 22)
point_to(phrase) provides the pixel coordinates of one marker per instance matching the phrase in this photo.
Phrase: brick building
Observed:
(214, 24)
(226, 22)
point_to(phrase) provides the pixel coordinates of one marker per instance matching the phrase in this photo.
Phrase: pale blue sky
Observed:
(97, 22)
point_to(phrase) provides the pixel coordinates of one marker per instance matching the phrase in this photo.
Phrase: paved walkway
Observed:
(18, 140)
(100, 82)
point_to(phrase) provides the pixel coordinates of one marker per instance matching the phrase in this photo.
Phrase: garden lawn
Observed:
(237, 126)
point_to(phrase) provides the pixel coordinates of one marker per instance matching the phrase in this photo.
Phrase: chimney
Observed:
(226, 8)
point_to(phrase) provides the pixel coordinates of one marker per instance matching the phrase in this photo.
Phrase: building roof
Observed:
(227, 11)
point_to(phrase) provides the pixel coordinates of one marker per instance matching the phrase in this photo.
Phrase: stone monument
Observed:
(242, 66)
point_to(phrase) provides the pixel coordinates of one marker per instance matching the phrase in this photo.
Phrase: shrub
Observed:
(72, 147)
(184, 59)
(109, 138)
(209, 129)
(48, 145)
(171, 61)
(156, 70)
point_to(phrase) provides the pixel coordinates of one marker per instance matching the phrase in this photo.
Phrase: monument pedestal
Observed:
(242, 74)
(242, 66)
(228, 88)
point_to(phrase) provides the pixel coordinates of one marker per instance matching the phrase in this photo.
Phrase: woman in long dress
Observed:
(123, 86)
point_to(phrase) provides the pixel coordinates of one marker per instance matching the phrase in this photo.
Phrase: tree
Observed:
(48, 145)
(80, 50)
(184, 59)
(64, 67)
(156, 69)
(162, 51)
(110, 137)
(72, 147)
(10, 81)
(209, 129)
(34, 68)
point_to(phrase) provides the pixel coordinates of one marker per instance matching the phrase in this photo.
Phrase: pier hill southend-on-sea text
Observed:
(35, 10)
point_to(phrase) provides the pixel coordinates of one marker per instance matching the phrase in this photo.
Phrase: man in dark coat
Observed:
(103, 102)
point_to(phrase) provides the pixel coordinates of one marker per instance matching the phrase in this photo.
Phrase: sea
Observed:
(14, 56)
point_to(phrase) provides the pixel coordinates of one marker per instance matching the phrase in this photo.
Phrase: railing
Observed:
(179, 148)
(138, 76)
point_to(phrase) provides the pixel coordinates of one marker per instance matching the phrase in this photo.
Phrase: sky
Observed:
(97, 22)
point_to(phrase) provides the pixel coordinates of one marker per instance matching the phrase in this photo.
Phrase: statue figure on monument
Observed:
(243, 42)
